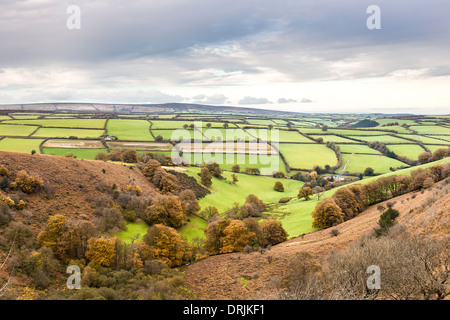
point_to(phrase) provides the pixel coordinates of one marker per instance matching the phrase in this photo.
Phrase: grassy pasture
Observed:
(359, 162)
(383, 138)
(433, 148)
(382, 121)
(424, 139)
(20, 145)
(67, 133)
(357, 148)
(331, 138)
(63, 123)
(19, 131)
(133, 228)
(126, 129)
(274, 162)
(223, 194)
(307, 155)
(263, 122)
(296, 214)
(435, 130)
(411, 151)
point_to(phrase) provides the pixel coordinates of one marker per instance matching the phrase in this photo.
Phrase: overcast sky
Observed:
(295, 55)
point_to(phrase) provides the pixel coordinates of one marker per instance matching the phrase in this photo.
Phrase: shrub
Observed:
(236, 168)
(130, 216)
(334, 232)
(278, 186)
(272, 232)
(4, 171)
(27, 183)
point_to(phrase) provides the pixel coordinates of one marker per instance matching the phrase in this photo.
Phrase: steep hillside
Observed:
(257, 275)
(71, 185)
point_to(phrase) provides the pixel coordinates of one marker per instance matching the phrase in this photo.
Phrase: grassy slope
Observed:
(20, 145)
(307, 155)
(296, 214)
(359, 162)
(137, 130)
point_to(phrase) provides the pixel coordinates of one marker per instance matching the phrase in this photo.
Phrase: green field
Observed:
(226, 161)
(223, 194)
(332, 138)
(67, 133)
(424, 139)
(431, 130)
(433, 148)
(411, 151)
(133, 228)
(357, 148)
(195, 228)
(20, 145)
(79, 153)
(296, 214)
(359, 162)
(133, 130)
(13, 130)
(383, 138)
(292, 136)
(306, 156)
(63, 123)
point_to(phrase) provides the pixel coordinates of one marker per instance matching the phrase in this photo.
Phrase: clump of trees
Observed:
(439, 154)
(231, 235)
(349, 201)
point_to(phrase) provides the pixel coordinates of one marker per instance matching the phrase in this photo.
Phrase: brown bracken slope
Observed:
(251, 276)
(75, 183)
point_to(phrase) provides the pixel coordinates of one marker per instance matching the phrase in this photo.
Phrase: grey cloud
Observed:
(252, 100)
(284, 100)
(305, 100)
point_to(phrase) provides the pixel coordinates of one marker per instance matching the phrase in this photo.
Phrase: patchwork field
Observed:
(19, 131)
(67, 133)
(20, 145)
(411, 151)
(67, 143)
(266, 164)
(357, 148)
(383, 138)
(133, 130)
(306, 156)
(227, 147)
(63, 123)
(431, 130)
(332, 138)
(359, 162)
(148, 146)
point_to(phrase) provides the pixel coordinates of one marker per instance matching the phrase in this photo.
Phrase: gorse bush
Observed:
(26, 183)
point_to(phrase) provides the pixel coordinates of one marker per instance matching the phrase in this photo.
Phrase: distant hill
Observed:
(366, 123)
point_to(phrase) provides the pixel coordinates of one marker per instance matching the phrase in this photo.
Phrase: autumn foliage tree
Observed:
(278, 186)
(327, 214)
(272, 232)
(236, 237)
(166, 244)
(167, 210)
(206, 177)
(305, 192)
(102, 250)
